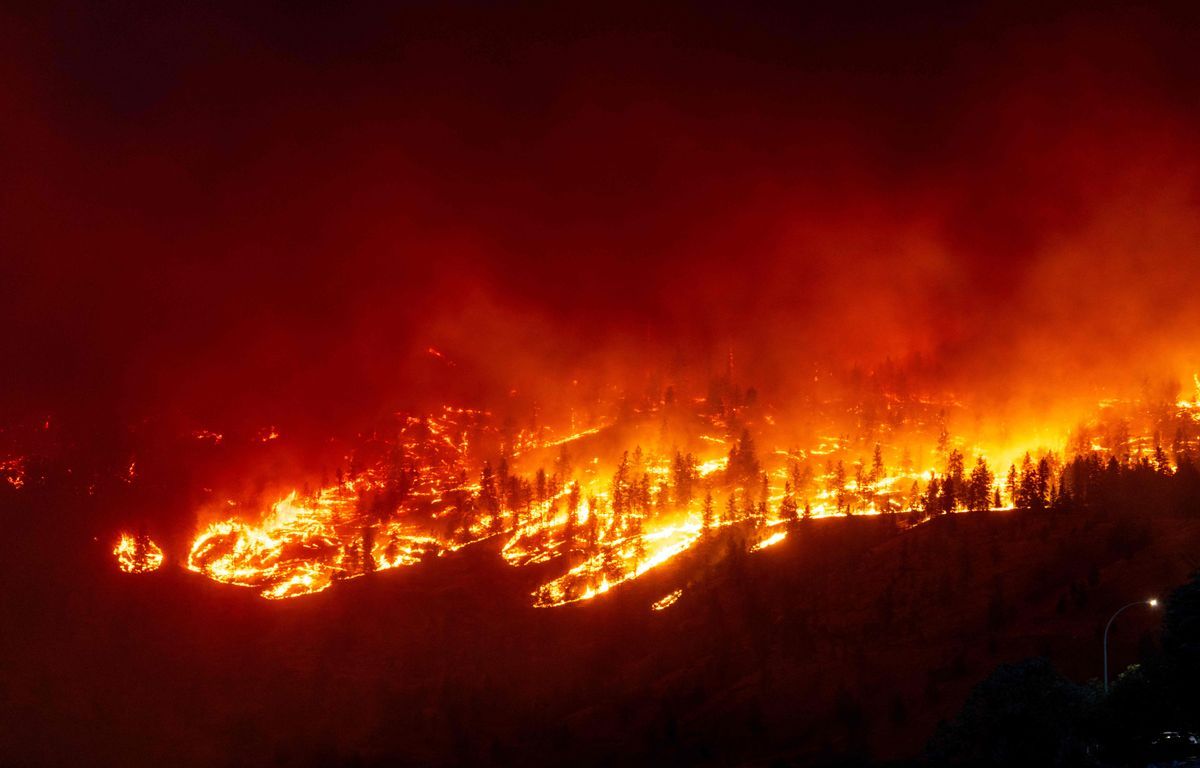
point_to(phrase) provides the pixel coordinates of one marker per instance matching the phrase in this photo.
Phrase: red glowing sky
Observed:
(281, 209)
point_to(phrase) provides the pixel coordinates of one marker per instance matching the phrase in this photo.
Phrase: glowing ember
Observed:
(207, 435)
(666, 601)
(137, 554)
(12, 471)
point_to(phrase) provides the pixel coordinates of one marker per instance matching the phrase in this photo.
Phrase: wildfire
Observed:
(137, 554)
(593, 522)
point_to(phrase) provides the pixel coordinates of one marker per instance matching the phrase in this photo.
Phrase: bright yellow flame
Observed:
(770, 541)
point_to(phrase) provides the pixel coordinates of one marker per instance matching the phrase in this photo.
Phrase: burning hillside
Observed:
(607, 503)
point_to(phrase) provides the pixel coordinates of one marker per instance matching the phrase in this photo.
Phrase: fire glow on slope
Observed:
(601, 522)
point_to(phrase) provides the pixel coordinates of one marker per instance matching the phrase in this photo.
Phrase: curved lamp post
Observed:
(1152, 602)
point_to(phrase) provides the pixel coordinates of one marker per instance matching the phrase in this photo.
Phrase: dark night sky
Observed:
(282, 208)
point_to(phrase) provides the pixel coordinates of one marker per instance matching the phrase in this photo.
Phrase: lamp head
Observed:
(1152, 602)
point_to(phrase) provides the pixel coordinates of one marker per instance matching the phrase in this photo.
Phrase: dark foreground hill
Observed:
(849, 640)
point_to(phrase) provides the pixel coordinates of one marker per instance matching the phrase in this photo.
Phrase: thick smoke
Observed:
(237, 216)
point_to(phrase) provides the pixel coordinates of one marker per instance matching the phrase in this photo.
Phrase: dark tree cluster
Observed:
(1029, 714)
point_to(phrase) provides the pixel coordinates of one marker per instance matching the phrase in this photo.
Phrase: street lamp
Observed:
(1152, 602)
